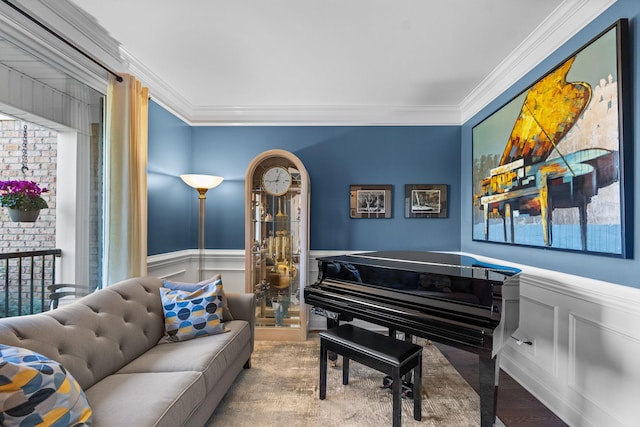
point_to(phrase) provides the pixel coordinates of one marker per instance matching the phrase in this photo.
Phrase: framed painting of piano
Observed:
(549, 166)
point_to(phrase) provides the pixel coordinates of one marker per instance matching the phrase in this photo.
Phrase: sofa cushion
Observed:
(190, 314)
(159, 399)
(211, 355)
(36, 390)
(184, 286)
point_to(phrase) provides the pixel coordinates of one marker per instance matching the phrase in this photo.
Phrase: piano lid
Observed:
(551, 108)
(454, 286)
(428, 262)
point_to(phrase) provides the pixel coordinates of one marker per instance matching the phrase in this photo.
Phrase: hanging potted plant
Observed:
(23, 199)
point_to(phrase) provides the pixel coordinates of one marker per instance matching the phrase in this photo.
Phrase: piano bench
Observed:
(382, 353)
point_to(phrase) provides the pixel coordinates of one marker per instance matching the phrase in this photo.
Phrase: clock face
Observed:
(276, 181)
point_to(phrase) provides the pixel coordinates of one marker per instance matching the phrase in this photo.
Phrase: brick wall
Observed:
(25, 236)
(41, 160)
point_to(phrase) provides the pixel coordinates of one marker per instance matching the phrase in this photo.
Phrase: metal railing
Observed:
(24, 277)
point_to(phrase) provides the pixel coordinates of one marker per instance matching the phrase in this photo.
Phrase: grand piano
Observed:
(450, 299)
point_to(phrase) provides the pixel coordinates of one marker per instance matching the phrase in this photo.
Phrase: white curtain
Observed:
(125, 208)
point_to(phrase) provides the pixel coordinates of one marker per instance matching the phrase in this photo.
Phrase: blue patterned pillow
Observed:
(184, 286)
(190, 314)
(35, 390)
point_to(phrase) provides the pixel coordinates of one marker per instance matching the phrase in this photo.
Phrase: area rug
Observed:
(281, 389)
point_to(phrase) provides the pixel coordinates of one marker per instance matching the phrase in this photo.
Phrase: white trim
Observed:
(300, 115)
(72, 207)
(618, 297)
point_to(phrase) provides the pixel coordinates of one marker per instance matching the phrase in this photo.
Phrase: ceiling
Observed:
(334, 61)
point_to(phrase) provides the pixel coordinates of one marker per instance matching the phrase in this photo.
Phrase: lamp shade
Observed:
(201, 181)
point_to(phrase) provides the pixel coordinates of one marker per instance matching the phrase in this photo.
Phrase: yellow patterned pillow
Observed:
(35, 390)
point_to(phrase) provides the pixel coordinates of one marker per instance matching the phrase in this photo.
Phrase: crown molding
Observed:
(570, 17)
(326, 115)
(159, 90)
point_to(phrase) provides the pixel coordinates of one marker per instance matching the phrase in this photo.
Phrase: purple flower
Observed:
(25, 187)
(22, 195)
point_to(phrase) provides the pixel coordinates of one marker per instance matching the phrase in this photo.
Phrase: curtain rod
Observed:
(62, 39)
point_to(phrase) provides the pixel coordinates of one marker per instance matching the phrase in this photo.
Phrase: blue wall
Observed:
(614, 270)
(335, 157)
(170, 201)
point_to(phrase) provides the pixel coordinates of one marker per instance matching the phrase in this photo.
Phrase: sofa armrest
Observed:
(243, 307)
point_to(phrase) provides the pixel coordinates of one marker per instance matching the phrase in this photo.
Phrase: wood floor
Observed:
(516, 406)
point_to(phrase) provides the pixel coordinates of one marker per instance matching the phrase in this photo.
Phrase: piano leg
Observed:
(489, 374)
(546, 210)
(504, 224)
(508, 213)
(485, 212)
(323, 370)
(408, 377)
(333, 357)
(583, 224)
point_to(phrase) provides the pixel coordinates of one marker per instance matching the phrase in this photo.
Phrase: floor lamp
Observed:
(202, 183)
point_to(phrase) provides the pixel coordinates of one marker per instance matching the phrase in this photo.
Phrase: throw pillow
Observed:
(192, 314)
(35, 390)
(226, 313)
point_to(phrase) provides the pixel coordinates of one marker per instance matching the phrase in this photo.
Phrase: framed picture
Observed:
(425, 200)
(549, 166)
(370, 201)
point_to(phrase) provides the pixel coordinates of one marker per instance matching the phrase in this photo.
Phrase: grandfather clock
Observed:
(277, 243)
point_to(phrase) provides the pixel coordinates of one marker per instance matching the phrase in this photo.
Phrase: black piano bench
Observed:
(382, 353)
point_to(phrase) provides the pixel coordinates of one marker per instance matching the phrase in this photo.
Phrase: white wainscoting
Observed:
(182, 266)
(584, 363)
(584, 360)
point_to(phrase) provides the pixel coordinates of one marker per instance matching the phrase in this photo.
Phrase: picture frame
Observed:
(549, 167)
(425, 201)
(370, 201)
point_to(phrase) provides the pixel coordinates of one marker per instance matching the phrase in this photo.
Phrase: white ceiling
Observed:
(335, 61)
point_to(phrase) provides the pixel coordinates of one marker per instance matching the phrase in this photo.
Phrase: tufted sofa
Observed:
(112, 343)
